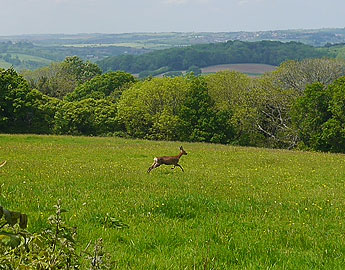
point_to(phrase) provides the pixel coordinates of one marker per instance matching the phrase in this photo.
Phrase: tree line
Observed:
(202, 55)
(300, 105)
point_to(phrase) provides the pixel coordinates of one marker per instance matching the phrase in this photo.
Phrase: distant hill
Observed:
(27, 55)
(203, 55)
(34, 51)
(314, 37)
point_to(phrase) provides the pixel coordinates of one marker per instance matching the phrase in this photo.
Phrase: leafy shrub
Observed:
(86, 117)
(53, 248)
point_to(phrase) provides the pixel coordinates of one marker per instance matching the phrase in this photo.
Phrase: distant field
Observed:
(251, 69)
(232, 208)
(4, 64)
(25, 57)
(138, 45)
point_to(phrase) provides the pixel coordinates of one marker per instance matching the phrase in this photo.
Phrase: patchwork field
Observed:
(232, 208)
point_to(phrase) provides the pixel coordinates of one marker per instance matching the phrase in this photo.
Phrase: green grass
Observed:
(232, 208)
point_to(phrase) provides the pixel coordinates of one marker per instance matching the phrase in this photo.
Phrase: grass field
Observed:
(4, 64)
(24, 57)
(232, 208)
(250, 69)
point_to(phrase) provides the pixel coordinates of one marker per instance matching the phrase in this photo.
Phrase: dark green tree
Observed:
(101, 86)
(23, 110)
(334, 129)
(87, 117)
(310, 112)
(319, 117)
(82, 70)
(200, 122)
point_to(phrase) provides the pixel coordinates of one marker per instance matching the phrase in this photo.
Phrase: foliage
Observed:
(23, 110)
(86, 117)
(82, 70)
(276, 110)
(200, 121)
(272, 115)
(54, 248)
(298, 74)
(59, 79)
(202, 55)
(152, 73)
(101, 86)
(53, 80)
(320, 117)
(150, 109)
(231, 91)
(172, 109)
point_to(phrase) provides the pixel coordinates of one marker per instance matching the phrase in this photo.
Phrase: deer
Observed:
(3, 163)
(172, 160)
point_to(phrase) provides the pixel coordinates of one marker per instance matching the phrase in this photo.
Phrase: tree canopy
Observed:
(263, 52)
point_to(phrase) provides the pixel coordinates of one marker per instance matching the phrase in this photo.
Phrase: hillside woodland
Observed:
(300, 105)
(203, 55)
(36, 51)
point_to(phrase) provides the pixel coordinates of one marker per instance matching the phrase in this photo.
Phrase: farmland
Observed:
(250, 69)
(232, 208)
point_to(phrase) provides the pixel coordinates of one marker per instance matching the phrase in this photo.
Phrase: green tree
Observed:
(23, 110)
(319, 116)
(298, 74)
(150, 109)
(200, 121)
(101, 86)
(53, 80)
(82, 70)
(59, 79)
(86, 117)
(233, 94)
(310, 113)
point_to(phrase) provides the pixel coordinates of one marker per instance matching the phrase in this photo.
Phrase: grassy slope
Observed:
(25, 57)
(4, 64)
(233, 208)
(250, 69)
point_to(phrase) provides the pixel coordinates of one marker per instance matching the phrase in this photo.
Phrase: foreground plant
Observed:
(54, 248)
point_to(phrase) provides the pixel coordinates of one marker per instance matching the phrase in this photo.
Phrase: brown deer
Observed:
(173, 160)
(3, 163)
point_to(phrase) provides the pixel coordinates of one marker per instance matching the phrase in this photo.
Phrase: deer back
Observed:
(168, 160)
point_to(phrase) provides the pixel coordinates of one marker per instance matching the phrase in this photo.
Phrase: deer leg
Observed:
(153, 166)
(180, 167)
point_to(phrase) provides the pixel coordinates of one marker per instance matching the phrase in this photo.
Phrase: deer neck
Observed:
(179, 155)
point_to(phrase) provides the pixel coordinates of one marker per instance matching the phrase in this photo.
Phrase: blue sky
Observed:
(125, 16)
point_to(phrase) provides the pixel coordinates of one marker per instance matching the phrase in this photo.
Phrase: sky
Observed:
(127, 16)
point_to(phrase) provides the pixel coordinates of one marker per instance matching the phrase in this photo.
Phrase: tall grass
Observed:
(232, 208)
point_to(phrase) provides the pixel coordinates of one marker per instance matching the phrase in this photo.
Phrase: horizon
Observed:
(70, 17)
(162, 32)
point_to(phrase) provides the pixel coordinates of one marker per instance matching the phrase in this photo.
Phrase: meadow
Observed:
(232, 208)
(250, 69)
